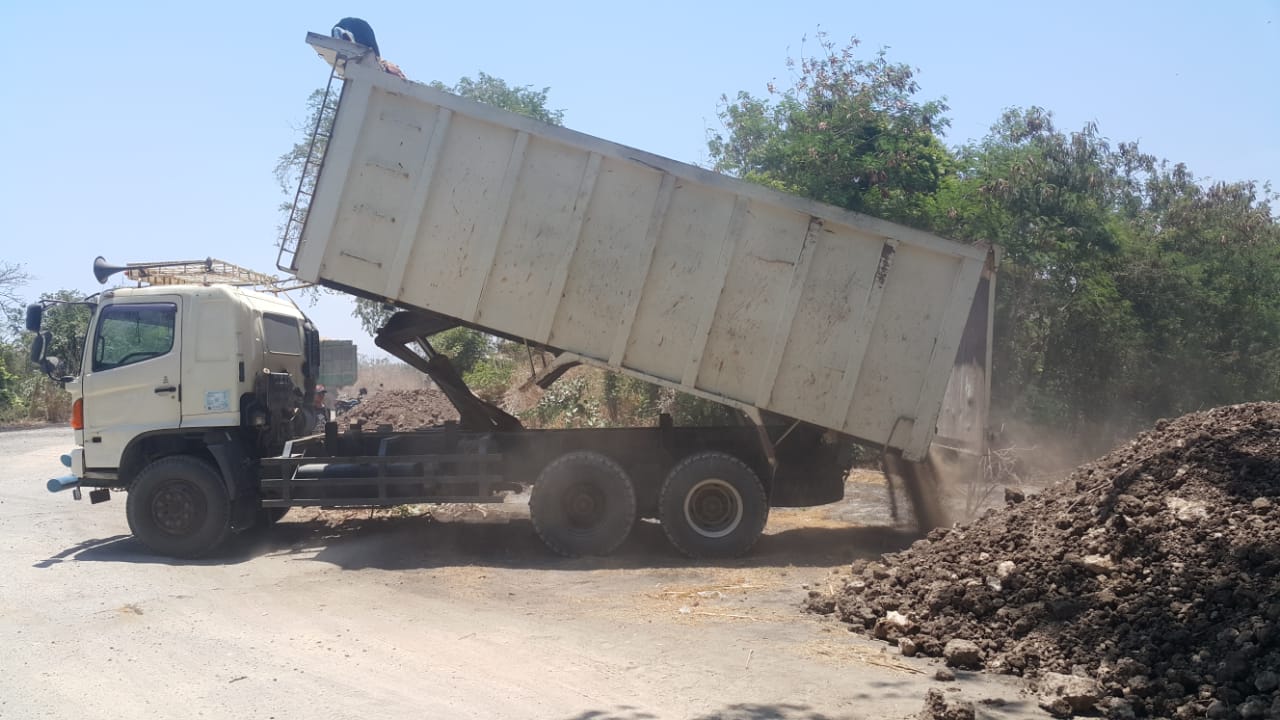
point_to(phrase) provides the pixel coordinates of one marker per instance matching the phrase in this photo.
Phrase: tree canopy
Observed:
(848, 132)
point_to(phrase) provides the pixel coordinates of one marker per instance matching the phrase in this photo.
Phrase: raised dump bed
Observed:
(644, 265)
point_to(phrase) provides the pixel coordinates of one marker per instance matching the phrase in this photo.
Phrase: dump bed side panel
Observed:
(652, 267)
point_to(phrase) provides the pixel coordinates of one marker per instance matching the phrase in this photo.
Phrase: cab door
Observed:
(133, 374)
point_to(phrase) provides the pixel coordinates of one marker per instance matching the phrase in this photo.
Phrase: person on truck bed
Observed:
(360, 32)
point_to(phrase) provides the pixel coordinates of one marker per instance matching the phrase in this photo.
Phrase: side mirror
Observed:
(35, 314)
(38, 348)
(52, 367)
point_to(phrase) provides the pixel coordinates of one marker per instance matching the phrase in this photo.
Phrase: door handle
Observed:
(166, 389)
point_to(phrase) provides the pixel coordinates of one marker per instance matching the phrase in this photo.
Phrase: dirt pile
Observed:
(1154, 570)
(401, 409)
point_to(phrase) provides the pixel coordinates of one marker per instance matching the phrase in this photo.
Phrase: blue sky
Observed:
(145, 134)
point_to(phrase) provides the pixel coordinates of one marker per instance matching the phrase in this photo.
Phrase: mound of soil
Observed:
(401, 409)
(1154, 570)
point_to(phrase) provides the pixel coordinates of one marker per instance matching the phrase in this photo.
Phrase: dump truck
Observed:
(825, 329)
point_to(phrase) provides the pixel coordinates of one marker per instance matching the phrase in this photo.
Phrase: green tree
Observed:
(1205, 277)
(288, 170)
(490, 90)
(1064, 333)
(24, 390)
(13, 355)
(67, 322)
(848, 131)
(1129, 291)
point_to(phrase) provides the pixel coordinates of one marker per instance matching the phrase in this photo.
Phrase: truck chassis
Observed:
(710, 487)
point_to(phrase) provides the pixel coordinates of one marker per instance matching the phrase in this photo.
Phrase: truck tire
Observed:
(713, 506)
(583, 503)
(178, 506)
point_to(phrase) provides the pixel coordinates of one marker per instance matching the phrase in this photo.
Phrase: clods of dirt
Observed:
(1154, 572)
(939, 706)
(401, 410)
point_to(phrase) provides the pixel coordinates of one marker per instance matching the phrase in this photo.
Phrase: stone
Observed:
(1254, 707)
(938, 706)
(1056, 707)
(1115, 708)
(1080, 693)
(1187, 511)
(1266, 681)
(1098, 564)
(962, 654)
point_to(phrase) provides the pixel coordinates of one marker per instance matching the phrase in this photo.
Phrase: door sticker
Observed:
(217, 400)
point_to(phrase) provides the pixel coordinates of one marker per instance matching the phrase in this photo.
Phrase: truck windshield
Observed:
(281, 334)
(132, 333)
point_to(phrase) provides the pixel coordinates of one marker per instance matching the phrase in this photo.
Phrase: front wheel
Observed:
(713, 506)
(178, 506)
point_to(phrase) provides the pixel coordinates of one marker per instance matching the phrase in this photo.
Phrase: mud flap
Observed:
(236, 470)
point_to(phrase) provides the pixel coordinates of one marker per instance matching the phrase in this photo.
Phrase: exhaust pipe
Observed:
(66, 482)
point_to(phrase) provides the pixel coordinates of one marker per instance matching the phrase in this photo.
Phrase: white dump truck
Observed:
(827, 329)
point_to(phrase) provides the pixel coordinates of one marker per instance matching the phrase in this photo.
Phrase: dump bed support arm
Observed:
(406, 329)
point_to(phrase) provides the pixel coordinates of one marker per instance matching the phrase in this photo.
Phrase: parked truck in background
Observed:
(825, 328)
(339, 364)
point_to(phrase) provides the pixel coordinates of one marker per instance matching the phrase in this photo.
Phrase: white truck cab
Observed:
(196, 364)
(165, 358)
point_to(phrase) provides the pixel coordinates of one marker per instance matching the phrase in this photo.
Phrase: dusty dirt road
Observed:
(399, 616)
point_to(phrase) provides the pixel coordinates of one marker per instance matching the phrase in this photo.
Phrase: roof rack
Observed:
(209, 271)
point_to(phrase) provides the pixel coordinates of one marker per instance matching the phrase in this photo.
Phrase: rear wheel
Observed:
(583, 503)
(713, 506)
(178, 506)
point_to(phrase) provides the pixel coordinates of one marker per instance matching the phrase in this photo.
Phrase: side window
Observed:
(281, 334)
(132, 333)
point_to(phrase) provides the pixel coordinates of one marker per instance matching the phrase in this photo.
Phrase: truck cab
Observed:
(216, 373)
(177, 360)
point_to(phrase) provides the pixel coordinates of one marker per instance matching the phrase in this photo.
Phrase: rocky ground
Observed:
(1146, 585)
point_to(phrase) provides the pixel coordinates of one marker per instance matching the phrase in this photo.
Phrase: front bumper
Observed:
(74, 461)
(66, 482)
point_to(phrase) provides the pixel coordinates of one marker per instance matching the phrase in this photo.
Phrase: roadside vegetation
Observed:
(26, 395)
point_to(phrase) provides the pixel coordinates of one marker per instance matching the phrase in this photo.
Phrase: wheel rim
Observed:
(178, 508)
(584, 507)
(713, 508)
